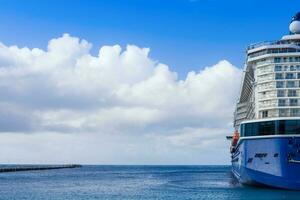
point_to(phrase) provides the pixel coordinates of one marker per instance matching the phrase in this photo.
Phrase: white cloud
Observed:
(122, 103)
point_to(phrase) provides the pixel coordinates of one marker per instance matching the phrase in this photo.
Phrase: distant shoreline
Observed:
(36, 167)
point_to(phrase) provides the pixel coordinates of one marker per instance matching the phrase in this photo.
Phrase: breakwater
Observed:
(35, 167)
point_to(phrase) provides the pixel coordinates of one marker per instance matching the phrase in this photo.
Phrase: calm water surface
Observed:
(133, 182)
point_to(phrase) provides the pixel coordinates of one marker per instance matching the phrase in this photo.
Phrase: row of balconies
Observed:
(270, 85)
(276, 43)
(294, 112)
(281, 112)
(287, 75)
(279, 77)
(279, 103)
(274, 51)
(277, 68)
(284, 57)
(278, 93)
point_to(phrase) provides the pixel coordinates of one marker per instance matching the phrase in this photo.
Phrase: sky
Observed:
(126, 81)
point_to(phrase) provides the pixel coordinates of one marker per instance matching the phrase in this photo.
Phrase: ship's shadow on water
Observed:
(134, 182)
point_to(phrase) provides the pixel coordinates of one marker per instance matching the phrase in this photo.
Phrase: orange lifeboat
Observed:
(235, 138)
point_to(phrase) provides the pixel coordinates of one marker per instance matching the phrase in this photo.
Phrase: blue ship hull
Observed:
(268, 160)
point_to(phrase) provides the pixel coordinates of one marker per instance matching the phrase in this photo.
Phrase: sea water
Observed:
(133, 182)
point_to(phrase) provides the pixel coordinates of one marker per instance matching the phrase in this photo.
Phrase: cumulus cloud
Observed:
(119, 101)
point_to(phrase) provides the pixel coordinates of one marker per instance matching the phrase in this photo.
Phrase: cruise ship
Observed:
(265, 148)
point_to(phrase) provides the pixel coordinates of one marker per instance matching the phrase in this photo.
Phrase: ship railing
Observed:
(254, 55)
(264, 43)
(259, 44)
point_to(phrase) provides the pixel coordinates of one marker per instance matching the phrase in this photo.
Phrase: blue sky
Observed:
(126, 106)
(185, 34)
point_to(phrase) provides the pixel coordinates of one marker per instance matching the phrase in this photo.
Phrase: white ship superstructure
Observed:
(271, 79)
(265, 146)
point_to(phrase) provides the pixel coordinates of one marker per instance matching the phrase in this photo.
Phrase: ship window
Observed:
(288, 127)
(278, 68)
(266, 128)
(298, 75)
(286, 68)
(290, 84)
(242, 130)
(264, 114)
(290, 59)
(283, 112)
(293, 102)
(279, 84)
(245, 130)
(280, 93)
(284, 59)
(251, 129)
(278, 127)
(277, 60)
(295, 112)
(281, 102)
(289, 76)
(248, 129)
(292, 93)
(279, 76)
(292, 68)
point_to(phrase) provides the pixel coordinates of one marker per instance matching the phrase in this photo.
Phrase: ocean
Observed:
(133, 182)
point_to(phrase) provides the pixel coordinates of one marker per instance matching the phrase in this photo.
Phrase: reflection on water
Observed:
(134, 182)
